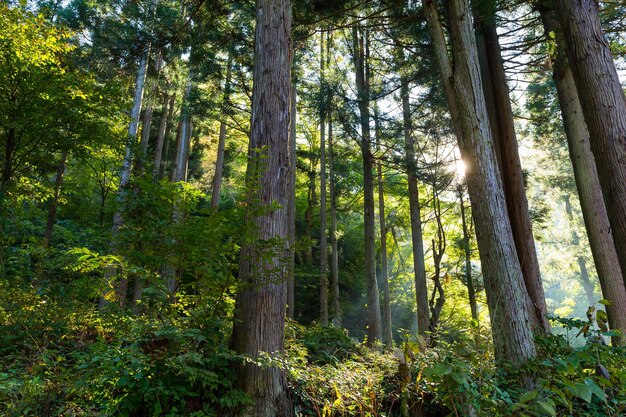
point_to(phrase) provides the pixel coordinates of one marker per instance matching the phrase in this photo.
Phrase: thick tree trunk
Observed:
(387, 329)
(503, 130)
(419, 266)
(374, 329)
(262, 296)
(603, 105)
(291, 278)
(323, 218)
(504, 282)
(594, 211)
(163, 125)
(54, 202)
(221, 144)
(471, 291)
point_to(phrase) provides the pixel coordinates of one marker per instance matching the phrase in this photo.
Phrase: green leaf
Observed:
(547, 408)
(582, 391)
(595, 389)
(442, 369)
(530, 395)
(605, 302)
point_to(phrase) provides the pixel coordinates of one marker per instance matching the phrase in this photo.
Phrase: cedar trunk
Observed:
(323, 235)
(504, 282)
(594, 211)
(603, 105)
(263, 265)
(503, 130)
(221, 145)
(374, 329)
(419, 265)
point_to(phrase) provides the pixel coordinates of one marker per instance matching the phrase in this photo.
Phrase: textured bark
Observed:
(163, 124)
(603, 105)
(504, 282)
(221, 144)
(54, 202)
(471, 291)
(323, 217)
(503, 132)
(291, 278)
(374, 329)
(438, 296)
(594, 211)
(263, 266)
(387, 330)
(419, 266)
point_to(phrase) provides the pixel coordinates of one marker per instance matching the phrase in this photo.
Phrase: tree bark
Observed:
(387, 329)
(503, 130)
(323, 218)
(336, 306)
(471, 291)
(603, 105)
(163, 125)
(595, 216)
(221, 145)
(291, 278)
(179, 172)
(419, 265)
(54, 202)
(263, 265)
(165, 155)
(374, 329)
(504, 282)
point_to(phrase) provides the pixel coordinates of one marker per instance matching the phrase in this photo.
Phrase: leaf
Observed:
(582, 391)
(546, 408)
(442, 369)
(530, 395)
(584, 330)
(602, 319)
(605, 302)
(595, 389)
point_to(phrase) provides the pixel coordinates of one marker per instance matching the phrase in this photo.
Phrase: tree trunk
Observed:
(504, 282)
(336, 306)
(179, 172)
(54, 203)
(291, 278)
(603, 105)
(387, 329)
(323, 231)
(419, 266)
(165, 155)
(131, 140)
(221, 145)
(262, 296)
(374, 329)
(503, 130)
(163, 125)
(594, 211)
(471, 292)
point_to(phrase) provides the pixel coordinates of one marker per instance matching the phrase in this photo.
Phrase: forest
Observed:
(274, 208)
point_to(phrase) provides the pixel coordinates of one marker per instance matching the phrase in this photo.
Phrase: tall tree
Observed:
(221, 144)
(504, 283)
(419, 266)
(360, 51)
(500, 114)
(595, 216)
(263, 265)
(323, 217)
(603, 105)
